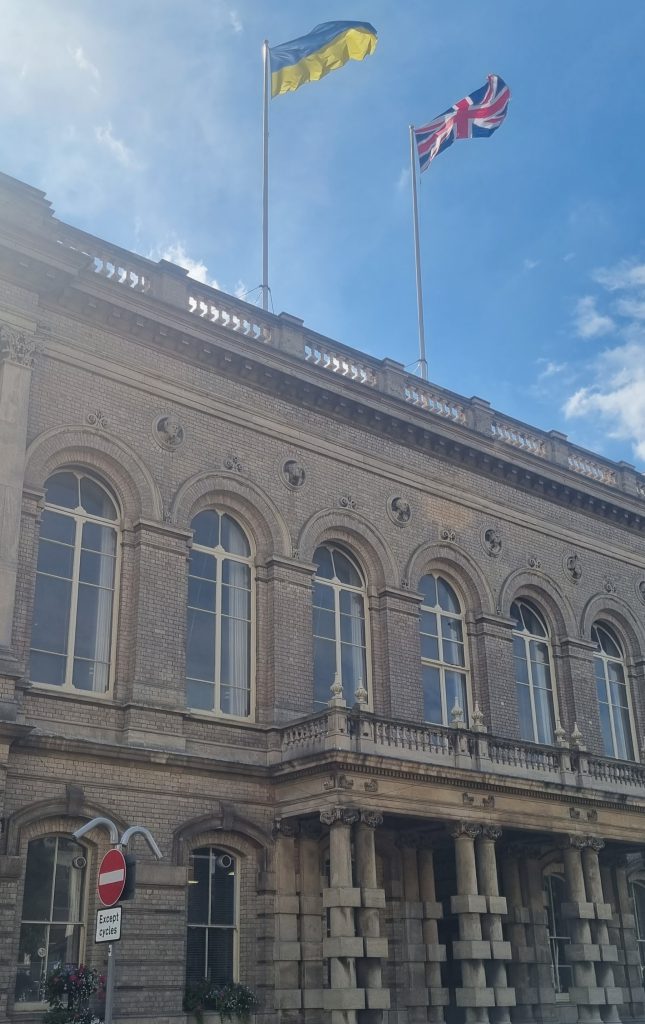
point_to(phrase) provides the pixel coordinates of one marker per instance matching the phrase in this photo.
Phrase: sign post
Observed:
(111, 882)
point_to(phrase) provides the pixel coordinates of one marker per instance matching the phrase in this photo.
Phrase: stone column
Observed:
(411, 965)
(635, 995)
(439, 996)
(541, 971)
(491, 923)
(286, 946)
(343, 946)
(470, 949)
(16, 361)
(369, 973)
(606, 953)
(614, 925)
(311, 935)
(522, 953)
(584, 991)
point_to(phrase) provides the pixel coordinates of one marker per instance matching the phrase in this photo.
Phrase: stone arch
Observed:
(102, 453)
(617, 613)
(244, 499)
(42, 811)
(224, 823)
(360, 537)
(454, 564)
(545, 592)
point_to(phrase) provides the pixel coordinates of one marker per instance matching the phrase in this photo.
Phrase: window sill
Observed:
(211, 716)
(85, 696)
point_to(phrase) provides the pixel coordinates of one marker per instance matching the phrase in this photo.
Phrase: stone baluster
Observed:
(470, 949)
(635, 995)
(491, 923)
(435, 952)
(311, 935)
(369, 974)
(286, 947)
(607, 954)
(541, 969)
(411, 966)
(584, 991)
(342, 947)
(523, 954)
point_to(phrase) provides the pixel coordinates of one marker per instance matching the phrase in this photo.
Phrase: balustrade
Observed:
(434, 401)
(511, 434)
(590, 468)
(341, 363)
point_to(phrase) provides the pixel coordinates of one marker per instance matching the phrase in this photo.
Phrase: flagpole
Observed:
(265, 179)
(423, 363)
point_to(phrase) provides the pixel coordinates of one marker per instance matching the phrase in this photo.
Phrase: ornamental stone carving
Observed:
(640, 590)
(399, 510)
(492, 832)
(98, 419)
(234, 464)
(448, 534)
(287, 827)
(609, 586)
(465, 830)
(339, 816)
(293, 474)
(168, 432)
(16, 346)
(534, 562)
(573, 568)
(371, 818)
(492, 541)
(346, 501)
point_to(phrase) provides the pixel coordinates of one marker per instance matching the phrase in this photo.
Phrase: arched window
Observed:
(533, 674)
(53, 910)
(213, 917)
(218, 644)
(558, 929)
(340, 650)
(443, 654)
(611, 687)
(637, 891)
(71, 640)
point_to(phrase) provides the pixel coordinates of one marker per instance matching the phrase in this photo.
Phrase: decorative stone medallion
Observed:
(573, 568)
(234, 464)
(346, 501)
(640, 590)
(293, 474)
(609, 585)
(399, 510)
(98, 419)
(168, 432)
(447, 534)
(492, 541)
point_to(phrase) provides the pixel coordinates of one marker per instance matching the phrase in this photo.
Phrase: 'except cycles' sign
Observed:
(108, 925)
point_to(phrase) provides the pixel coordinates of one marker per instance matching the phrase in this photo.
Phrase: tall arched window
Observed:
(533, 673)
(340, 650)
(443, 654)
(53, 910)
(213, 917)
(74, 605)
(611, 687)
(218, 644)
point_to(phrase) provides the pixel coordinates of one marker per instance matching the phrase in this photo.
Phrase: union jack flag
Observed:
(476, 116)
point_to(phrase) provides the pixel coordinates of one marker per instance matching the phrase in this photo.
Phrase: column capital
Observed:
(574, 842)
(17, 346)
(595, 844)
(465, 830)
(289, 828)
(339, 816)
(371, 818)
(491, 832)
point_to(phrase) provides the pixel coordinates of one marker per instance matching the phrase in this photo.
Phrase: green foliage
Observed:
(231, 1001)
(68, 990)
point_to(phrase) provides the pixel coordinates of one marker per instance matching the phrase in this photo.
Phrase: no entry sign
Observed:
(111, 878)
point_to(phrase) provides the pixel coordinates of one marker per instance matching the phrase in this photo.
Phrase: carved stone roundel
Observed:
(573, 567)
(492, 541)
(399, 510)
(293, 474)
(168, 432)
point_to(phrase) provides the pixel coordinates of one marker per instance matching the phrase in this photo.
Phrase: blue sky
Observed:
(142, 122)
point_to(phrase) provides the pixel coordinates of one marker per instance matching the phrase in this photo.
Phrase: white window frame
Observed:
(337, 587)
(605, 658)
(444, 666)
(237, 890)
(562, 994)
(80, 517)
(640, 938)
(221, 556)
(527, 637)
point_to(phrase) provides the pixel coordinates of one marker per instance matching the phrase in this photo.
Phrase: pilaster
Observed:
(607, 954)
(471, 949)
(491, 924)
(286, 944)
(342, 947)
(581, 953)
(432, 912)
(369, 975)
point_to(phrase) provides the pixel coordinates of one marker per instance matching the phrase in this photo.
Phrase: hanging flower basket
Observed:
(232, 1002)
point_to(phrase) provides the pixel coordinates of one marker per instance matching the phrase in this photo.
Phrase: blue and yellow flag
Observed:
(311, 57)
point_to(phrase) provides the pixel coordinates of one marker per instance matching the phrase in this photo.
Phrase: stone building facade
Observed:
(365, 656)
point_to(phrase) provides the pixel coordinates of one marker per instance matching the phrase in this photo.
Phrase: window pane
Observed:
(605, 728)
(429, 623)
(322, 558)
(32, 963)
(233, 537)
(324, 669)
(93, 623)
(51, 614)
(39, 879)
(62, 489)
(205, 527)
(429, 647)
(351, 603)
(198, 890)
(428, 587)
(524, 711)
(222, 889)
(453, 654)
(97, 569)
(516, 616)
(201, 594)
(601, 689)
(95, 499)
(235, 652)
(47, 668)
(451, 629)
(55, 526)
(68, 885)
(353, 674)
(447, 597)
(624, 746)
(199, 695)
(236, 574)
(99, 538)
(200, 652)
(323, 596)
(203, 565)
(346, 572)
(615, 672)
(543, 715)
(64, 943)
(220, 955)
(92, 676)
(456, 693)
(55, 559)
(196, 955)
(521, 669)
(235, 701)
(532, 621)
(430, 681)
(352, 630)
(324, 623)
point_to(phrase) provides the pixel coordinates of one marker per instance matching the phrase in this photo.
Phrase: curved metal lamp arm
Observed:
(94, 823)
(141, 830)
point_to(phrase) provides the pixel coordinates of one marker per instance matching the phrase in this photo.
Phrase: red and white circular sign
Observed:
(111, 878)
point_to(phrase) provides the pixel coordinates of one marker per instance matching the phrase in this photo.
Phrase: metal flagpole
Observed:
(423, 363)
(265, 181)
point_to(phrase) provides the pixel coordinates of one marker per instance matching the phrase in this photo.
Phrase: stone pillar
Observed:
(411, 960)
(541, 971)
(311, 935)
(439, 996)
(584, 991)
(606, 953)
(11, 868)
(614, 925)
(634, 994)
(16, 360)
(491, 923)
(342, 947)
(369, 974)
(286, 947)
(522, 953)
(399, 622)
(470, 949)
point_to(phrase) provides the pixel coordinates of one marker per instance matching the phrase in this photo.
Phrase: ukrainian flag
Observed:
(311, 57)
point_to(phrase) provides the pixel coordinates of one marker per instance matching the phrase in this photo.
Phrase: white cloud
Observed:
(568, 256)
(632, 308)
(236, 22)
(176, 253)
(551, 369)
(241, 290)
(122, 153)
(626, 274)
(530, 264)
(618, 397)
(403, 180)
(589, 322)
(84, 64)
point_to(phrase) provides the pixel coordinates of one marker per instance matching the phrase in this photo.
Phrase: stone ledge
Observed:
(579, 952)
(500, 950)
(608, 953)
(344, 999)
(468, 904)
(496, 904)
(591, 996)
(471, 949)
(504, 996)
(466, 997)
(604, 911)
(373, 898)
(287, 998)
(436, 953)
(342, 896)
(343, 946)
(375, 947)
(377, 998)
(579, 910)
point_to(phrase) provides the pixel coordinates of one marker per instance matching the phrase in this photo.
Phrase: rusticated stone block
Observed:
(501, 950)
(311, 905)
(613, 996)
(312, 998)
(439, 996)
(547, 995)
(436, 953)
(375, 947)
(590, 996)
(310, 950)
(373, 898)
(608, 953)
(343, 945)
(412, 910)
(576, 909)
(524, 954)
(628, 921)
(604, 911)
(413, 952)
(287, 998)
(538, 916)
(432, 911)
(576, 952)
(468, 904)
(286, 951)
(287, 904)
(496, 904)
(341, 896)
(527, 996)
(519, 915)
(377, 998)
(504, 996)
(475, 996)
(471, 949)
(344, 998)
